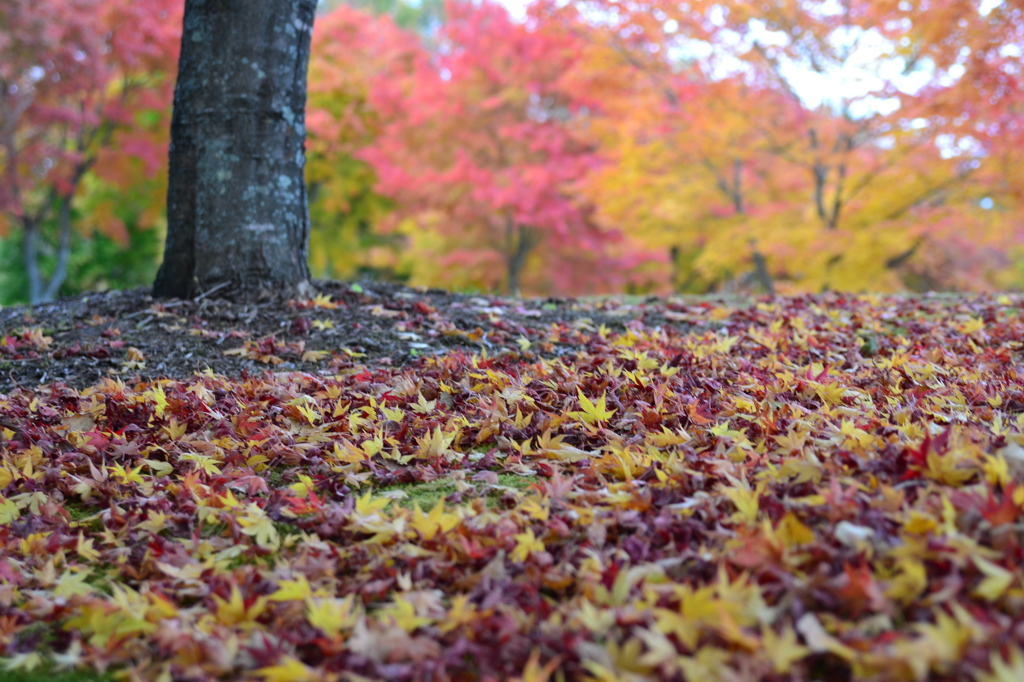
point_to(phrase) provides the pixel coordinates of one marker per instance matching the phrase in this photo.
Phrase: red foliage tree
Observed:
(74, 74)
(483, 147)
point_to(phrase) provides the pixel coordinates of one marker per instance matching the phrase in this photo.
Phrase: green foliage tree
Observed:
(97, 259)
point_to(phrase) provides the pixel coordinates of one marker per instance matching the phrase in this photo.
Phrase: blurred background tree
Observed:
(353, 49)
(815, 144)
(84, 93)
(424, 17)
(482, 152)
(564, 148)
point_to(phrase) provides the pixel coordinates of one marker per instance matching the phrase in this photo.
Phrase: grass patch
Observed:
(275, 477)
(49, 674)
(424, 494)
(427, 494)
(79, 512)
(516, 481)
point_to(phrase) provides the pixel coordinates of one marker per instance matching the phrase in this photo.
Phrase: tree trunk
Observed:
(237, 211)
(60, 272)
(519, 241)
(762, 274)
(30, 257)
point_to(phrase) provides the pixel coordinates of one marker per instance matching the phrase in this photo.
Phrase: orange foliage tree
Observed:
(803, 151)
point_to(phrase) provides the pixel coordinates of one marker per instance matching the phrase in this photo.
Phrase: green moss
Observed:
(249, 559)
(869, 345)
(516, 481)
(284, 529)
(49, 674)
(427, 494)
(86, 517)
(507, 480)
(275, 477)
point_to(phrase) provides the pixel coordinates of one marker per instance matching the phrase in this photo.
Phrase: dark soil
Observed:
(129, 335)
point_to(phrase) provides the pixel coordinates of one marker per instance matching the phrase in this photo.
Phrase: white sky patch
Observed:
(988, 5)
(851, 84)
(857, 84)
(517, 8)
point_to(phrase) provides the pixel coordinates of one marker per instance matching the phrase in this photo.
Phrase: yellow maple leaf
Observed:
(997, 579)
(745, 499)
(996, 470)
(233, 611)
(126, 477)
(709, 663)
(590, 412)
(697, 609)
(154, 523)
(972, 326)
(204, 462)
(332, 615)
(367, 506)
(314, 355)
(909, 583)
(462, 612)
(174, 430)
(403, 614)
(1008, 670)
(668, 438)
(257, 525)
(791, 531)
(782, 649)
(949, 636)
(85, 548)
(8, 511)
(304, 487)
(919, 523)
(72, 584)
(394, 414)
(289, 670)
(944, 469)
(534, 672)
(526, 543)
(25, 661)
(661, 651)
(6, 475)
(159, 468)
(536, 508)
(101, 622)
(160, 400)
(293, 590)
(830, 394)
(428, 525)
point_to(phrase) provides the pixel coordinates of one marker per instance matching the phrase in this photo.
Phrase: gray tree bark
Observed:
(237, 211)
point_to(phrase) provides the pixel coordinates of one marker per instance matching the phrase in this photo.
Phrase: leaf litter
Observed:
(793, 492)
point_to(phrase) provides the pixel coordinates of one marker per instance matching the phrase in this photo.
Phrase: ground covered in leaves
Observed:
(803, 488)
(80, 340)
